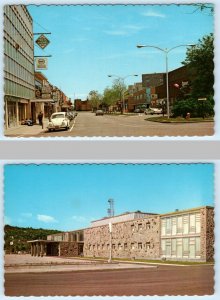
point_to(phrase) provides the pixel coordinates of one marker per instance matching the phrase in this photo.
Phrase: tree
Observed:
(115, 93)
(95, 98)
(200, 64)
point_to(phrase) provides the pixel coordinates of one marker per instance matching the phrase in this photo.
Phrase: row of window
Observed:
(17, 56)
(142, 226)
(14, 89)
(178, 225)
(181, 247)
(22, 24)
(122, 246)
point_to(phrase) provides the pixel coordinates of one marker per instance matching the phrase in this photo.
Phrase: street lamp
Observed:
(166, 51)
(123, 81)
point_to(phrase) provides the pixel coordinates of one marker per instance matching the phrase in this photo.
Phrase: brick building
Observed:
(186, 235)
(81, 105)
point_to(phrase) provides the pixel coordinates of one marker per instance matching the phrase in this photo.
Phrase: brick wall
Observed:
(69, 249)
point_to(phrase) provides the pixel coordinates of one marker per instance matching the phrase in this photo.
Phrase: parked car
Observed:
(138, 110)
(153, 111)
(59, 120)
(71, 115)
(99, 112)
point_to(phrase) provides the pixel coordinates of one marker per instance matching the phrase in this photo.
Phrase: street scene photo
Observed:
(109, 70)
(109, 229)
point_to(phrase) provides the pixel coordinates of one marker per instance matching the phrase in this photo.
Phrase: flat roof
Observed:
(185, 210)
(123, 214)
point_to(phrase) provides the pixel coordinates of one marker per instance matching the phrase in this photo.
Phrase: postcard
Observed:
(109, 70)
(109, 229)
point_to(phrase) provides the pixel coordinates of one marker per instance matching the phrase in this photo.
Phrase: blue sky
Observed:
(69, 197)
(89, 42)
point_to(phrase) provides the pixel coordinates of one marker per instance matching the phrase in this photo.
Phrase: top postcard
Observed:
(109, 70)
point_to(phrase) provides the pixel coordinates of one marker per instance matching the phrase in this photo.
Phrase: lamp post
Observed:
(123, 81)
(166, 51)
(110, 243)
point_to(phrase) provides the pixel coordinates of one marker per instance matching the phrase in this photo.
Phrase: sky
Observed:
(69, 196)
(88, 43)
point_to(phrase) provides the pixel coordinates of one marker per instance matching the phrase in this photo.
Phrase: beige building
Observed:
(186, 235)
(18, 64)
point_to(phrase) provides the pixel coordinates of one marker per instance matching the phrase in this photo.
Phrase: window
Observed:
(186, 224)
(192, 223)
(185, 246)
(179, 224)
(113, 246)
(197, 241)
(148, 225)
(119, 246)
(125, 246)
(173, 247)
(192, 248)
(139, 226)
(147, 245)
(163, 247)
(132, 246)
(168, 226)
(132, 227)
(198, 224)
(139, 246)
(168, 247)
(163, 227)
(173, 225)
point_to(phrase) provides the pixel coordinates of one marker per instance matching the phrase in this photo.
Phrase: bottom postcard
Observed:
(109, 229)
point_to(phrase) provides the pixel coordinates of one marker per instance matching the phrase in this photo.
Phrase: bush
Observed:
(194, 107)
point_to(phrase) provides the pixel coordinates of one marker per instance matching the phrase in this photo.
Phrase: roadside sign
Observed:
(202, 99)
(41, 63)
(42, 41)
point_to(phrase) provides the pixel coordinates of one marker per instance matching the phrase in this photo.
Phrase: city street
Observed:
(88, 124)
(164, 280)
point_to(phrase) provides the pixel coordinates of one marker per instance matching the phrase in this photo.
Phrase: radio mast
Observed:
(111, 211)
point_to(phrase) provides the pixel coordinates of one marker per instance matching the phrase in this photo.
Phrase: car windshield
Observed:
(58, 116)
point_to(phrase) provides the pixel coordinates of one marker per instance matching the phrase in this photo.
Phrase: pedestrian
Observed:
(40, 118)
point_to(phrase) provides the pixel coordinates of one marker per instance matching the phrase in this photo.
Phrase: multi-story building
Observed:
(18, 64)
(135, 97)
(81, 105)
(180, 235)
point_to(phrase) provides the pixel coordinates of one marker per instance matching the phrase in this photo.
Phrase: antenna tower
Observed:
(111, 211)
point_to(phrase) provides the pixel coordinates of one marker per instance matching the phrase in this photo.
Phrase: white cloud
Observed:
(46, 219)
(153, 14)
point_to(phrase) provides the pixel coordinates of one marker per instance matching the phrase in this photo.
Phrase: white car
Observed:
(153, 111)
(59, 120)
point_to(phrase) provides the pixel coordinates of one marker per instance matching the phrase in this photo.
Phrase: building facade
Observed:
(186, 235)
(18, 64)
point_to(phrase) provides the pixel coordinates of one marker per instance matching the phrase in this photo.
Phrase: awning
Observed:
(42, 100)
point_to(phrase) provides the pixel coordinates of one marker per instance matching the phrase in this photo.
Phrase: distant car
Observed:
(138, 110)
(59, 120)
(153, 111)
(99, 112)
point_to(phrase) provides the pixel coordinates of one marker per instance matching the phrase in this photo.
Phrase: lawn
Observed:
(162, 119)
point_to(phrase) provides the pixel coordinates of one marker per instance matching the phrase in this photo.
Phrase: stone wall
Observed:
(210, 237)
(131, 239)
(207, 234)
(69, 249)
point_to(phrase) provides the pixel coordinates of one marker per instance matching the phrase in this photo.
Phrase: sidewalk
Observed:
(23, 130)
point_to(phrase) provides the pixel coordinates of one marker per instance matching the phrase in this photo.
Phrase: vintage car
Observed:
(59, 120)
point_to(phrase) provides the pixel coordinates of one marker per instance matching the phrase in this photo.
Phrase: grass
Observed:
(171, 262)
(162, 119)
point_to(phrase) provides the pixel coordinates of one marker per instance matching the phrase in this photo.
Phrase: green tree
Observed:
(200, 64)
(95, 98)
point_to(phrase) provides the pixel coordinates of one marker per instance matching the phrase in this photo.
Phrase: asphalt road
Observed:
(87, 124)
(165, 280)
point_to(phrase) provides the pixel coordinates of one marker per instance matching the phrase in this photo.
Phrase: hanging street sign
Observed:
(41, 63)
(42, 41)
